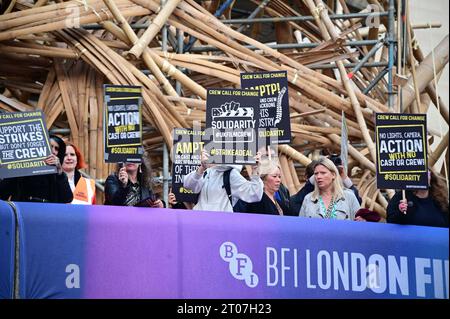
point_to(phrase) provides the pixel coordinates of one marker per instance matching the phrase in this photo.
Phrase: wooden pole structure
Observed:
(70, 91)
(436, 154)
(153, 29)
(346, 81)
(425, 71)
(411, 59)
(132, 38)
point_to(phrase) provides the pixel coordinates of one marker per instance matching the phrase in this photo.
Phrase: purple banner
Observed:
(71, 251)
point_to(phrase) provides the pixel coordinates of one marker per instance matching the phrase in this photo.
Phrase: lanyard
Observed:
(329, 212)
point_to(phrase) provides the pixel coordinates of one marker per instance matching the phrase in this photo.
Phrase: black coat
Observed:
(420, 212)
(53, 188)
(297, 199)
(282, 197)
(116, 194)
(266, 206)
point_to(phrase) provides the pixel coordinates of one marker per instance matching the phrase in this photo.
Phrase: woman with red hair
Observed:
(83, 188)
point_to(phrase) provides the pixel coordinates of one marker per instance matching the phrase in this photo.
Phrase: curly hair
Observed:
(146, 171)
(144, 174)
(439, 192)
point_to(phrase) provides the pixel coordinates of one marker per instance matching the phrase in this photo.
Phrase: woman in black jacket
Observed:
(51, 188)
(428, 207)
(270, 203)
(131, 185)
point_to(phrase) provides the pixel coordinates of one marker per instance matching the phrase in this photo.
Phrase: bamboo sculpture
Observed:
(49, 60)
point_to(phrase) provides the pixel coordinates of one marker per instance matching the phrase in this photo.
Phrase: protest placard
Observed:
(401, 151)
(186, 157)
(274, 125)
(232, 117)
(24, 144)
(123, 124)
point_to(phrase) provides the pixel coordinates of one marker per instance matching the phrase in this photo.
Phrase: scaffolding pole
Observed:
(391, 41)
(290, 46)
(253, 15)
(264, 20)
(165, 149)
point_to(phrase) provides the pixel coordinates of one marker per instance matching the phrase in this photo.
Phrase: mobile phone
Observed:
(336, 159)
(153, 197)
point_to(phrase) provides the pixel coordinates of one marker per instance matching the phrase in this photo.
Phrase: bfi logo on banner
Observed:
(240, 265)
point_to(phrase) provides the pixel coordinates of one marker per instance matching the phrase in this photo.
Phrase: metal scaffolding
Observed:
(178, 46)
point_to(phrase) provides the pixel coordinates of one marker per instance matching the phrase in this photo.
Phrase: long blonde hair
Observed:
(338, 190)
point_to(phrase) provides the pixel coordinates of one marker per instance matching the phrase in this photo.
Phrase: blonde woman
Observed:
(329, 199)
(270, 204)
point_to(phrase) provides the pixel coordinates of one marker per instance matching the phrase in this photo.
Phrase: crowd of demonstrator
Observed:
(328, 192)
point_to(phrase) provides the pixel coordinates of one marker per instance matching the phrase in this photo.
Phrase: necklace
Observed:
(329, 212)
(275, 202)
(280, 210)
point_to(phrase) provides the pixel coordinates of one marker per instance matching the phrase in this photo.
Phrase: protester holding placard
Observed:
(282, 194)
(329, 199)
(186, 156)
(402, 149)
(208, 181)
(122, 123)
(83, 188)
(51, 188)
(270, 204)
(131, 185)
(423, 207)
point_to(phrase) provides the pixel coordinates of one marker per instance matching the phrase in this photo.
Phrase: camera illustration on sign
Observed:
(232, 119)
(232, 116)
